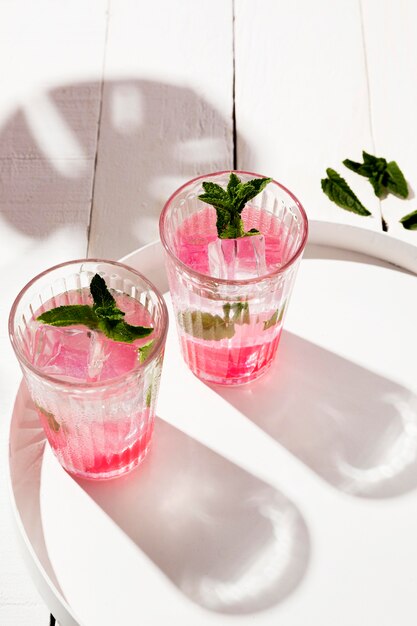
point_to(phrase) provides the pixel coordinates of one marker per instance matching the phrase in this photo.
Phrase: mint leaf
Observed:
(202, 325)
(384, 177)
(104, 303)
(50, 417)
(206, 326)
(276, 318)
(70, 315)
(395, 181)
(145, 350)
(120, 331)
(233, 185)
(103, 315)
(337, 189)
(230, 202)
(101, 295)
(272, 320)
(149, 396)
(112, 313)
(249, 190)
(239, 310)
(409, 221)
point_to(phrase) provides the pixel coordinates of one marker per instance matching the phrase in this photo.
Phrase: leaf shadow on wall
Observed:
(230, 542)
(152, 137)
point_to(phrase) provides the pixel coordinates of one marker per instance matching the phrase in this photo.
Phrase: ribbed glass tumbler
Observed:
(230, 296)
(95, 396)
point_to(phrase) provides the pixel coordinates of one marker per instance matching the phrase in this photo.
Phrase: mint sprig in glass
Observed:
(233, 241)
(230, 202)
(103, 315)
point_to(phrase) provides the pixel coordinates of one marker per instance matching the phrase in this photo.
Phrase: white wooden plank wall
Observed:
(391, 51)
(314, 83)
(302, 99)
(166, 116)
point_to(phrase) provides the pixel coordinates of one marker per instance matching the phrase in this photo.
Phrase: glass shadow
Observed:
(230, 542)
(354, 428)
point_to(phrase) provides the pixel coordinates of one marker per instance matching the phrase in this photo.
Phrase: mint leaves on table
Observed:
(384, 177)
(409, 221)
(229, 204)
(337, 189)
(104, 315)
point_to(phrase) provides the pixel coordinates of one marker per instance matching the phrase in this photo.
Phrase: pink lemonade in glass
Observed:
(230, 316)
(95, 397)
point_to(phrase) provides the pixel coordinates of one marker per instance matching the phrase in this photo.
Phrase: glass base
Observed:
(111, 474)
(231, 382)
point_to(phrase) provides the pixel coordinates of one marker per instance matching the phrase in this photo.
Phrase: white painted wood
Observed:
(301, 98)
(391, 47)
(51, 57)
(258, 497)
(167, 117)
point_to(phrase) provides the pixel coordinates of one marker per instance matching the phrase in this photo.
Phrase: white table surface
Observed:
(107, 106)
(289, 499)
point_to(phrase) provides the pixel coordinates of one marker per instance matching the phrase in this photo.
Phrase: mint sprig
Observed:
(337, 189)
(230, 202)
(104, 315)
(385, 177)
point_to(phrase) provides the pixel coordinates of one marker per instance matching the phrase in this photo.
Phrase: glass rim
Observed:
(93, 384)
(226, 281)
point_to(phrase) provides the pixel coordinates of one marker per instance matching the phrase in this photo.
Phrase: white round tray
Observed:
(290, 501)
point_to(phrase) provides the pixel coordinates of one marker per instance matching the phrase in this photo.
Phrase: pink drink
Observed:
(79, 355)
(230, 296)
(254, 343)
(95, 397)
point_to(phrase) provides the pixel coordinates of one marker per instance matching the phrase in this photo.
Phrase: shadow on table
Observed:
(354, 428)
(27, 443)
(227, 540)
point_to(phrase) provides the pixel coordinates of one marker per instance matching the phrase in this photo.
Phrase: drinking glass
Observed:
(230, 296)
(95, 397)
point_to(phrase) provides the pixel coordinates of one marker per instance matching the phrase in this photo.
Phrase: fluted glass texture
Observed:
(230, 297)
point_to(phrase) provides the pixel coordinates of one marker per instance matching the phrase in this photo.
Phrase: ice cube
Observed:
(237, 259)
(60, 351)
(98, 354)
